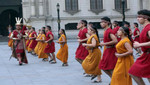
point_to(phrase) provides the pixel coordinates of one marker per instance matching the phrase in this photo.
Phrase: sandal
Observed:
(53, 62)
(65, 64)
(50, 60)
(45, 59)
(93, 77)
(20, 63)
(87, 75)
(84, 73)
(97, 81)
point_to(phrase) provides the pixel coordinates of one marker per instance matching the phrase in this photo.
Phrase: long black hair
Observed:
(84, 22)
(93, 27)
(136, 24)
(127, 32)
(64, 32)
(44, 32)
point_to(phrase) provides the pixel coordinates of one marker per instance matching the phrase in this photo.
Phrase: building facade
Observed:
(39, 13)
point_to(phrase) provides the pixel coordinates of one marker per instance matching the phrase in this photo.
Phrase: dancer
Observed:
(33, 41)
(62, 54)
(19, 43)
(36, 49)
(50, 48)
(136, 34)
(109, 59)
(10, 41)
(141, 68)
(28, 41)
(81, 51)
(91, 62)
(42, 45)
(115, 29)
(125, 59)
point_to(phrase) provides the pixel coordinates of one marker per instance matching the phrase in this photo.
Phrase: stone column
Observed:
(46, 7)
(26, 9)
(140, 4)
(41, 12)
(33, 8)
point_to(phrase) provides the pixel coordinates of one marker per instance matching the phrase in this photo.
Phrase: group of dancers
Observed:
(117, 59)
(41, 45)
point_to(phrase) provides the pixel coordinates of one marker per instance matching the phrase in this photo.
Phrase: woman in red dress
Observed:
(81, 51)
(115, 29)
(32, 39)
(50, 48)
(108, 61)
(141, 68)
(136, 34)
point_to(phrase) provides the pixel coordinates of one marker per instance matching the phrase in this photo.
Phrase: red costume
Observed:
(135, 33)
(109, 59)
(141, 67)
(23, 30)
(81, 51)
(19, 47)
(33, 41)
(50, 48)
(28, 41)
(115, 32)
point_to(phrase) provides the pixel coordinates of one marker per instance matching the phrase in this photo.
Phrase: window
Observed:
(97, 25)
(118, 5)
(96, 6)
(71, 6)
(71, 26)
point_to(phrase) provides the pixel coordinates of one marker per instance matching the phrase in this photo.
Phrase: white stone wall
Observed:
(44, 12)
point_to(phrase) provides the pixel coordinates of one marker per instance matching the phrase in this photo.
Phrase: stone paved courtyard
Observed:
(43, 73)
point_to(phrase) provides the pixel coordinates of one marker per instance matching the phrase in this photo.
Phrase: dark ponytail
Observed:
(64, 33)
(44, 32)
(127, 32)
(84, 22)
(93, 27)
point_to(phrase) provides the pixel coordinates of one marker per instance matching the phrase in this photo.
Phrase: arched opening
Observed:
(9, 9)
(7, 18)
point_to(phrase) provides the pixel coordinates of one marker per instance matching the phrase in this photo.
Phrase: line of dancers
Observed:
(117, 59)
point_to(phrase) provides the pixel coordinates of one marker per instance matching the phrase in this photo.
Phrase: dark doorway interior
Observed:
(9, 11)
(7, 18)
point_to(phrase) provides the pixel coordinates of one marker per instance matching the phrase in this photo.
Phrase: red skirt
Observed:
(108, 60)
(141, 68)
(33, 44)
(136, 39)
(50, 48)
(28, 43)
(81, 52)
